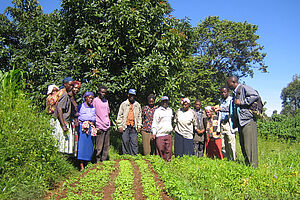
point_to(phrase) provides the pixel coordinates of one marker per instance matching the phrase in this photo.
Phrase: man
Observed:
(199, 139)
(162, 128)
(63, 111)
(147, 116)
(243, 97)
(129, 122)
(225, 125)
(101, 105)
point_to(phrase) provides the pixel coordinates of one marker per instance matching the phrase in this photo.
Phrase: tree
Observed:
(290, 96)
(231, 48)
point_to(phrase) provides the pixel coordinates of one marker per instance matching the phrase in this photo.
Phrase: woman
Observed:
(75, 122)
(86, 130)
(214, 141)
(51, 98)
(147, 116)
(186, 122)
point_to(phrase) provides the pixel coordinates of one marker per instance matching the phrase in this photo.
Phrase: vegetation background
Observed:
(126, 44)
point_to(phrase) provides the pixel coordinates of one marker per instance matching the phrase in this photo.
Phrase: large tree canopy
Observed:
(290, 96)
(124, 44)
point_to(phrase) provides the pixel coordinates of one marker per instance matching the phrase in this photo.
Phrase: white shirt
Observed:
(186, 122)
(162, 121)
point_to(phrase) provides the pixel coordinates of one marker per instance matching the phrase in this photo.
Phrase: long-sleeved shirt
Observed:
(247, 95)
(224, 108)
(123, 114)
(162, 121)
(186, 122)
(102, 113)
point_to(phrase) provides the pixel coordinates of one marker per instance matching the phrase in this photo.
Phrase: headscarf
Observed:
(77, 83)
(65, 80)
(185, 100)
(50, 88)
(208, 108)
(86, 94)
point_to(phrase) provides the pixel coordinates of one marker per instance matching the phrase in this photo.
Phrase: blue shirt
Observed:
(224, 106)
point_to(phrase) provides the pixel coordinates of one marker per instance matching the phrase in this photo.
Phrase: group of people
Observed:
(195, 130)
(80, 130)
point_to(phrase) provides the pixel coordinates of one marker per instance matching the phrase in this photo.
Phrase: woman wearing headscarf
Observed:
(86, 130)
(214, 141)
(51, 98)
(185, 124)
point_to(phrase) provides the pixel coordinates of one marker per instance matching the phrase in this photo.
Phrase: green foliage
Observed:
(124, 181)
(286, 127)
(277, 177)
(29, 162)
(150, 188)
(125, 44)
(290, 96)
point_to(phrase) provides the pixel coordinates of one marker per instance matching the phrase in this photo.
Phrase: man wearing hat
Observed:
(162, 128)
(129, 122)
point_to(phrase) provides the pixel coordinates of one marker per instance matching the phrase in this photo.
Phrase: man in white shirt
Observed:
(162, 128)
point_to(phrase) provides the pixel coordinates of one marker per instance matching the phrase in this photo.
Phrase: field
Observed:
(150, 177)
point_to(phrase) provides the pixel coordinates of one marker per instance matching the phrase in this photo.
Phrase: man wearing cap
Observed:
(162, 128)
(63, 111)
(129, 122)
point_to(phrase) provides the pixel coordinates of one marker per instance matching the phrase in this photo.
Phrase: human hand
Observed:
(120, 130)
(237, 102)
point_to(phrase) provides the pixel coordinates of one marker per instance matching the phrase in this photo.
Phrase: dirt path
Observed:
(161, 184)
(110, 188)
(59, 193)
(137, 185)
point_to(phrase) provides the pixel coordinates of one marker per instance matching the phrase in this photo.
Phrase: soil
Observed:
(110, 187)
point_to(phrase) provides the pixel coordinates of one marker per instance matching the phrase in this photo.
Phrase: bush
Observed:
(29, 162)
(282, 126)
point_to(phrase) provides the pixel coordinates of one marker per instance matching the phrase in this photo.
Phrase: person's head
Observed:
(102, 91)
(76, 87)
(131, 95)
(209, 111)
(185, 102)
(224, 92)
(232, 82)
(88, 98)
(68, 84)
(164, 101)
(151, 100)
(52, 89)
(197, 104)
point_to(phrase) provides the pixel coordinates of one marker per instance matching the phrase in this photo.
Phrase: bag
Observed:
(256, 108)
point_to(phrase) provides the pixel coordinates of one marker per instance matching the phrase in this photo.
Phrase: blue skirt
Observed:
(85, 145)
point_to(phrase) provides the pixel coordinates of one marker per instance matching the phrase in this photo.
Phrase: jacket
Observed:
(247, 96)
(123, 114)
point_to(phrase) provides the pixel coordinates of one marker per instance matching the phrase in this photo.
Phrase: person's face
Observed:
(208, 113)
(151, 102)
(224, 93)
(69, 86)
(197, 105)
(131, 97)
(231, 84)
(185, 106)
(165, 103)
(54, 91)
(76, 89)
(102, 93)
(89, 99)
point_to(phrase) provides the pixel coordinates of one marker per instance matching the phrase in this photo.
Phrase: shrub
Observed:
(29, 162)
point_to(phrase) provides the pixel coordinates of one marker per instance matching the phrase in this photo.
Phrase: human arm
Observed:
(120, 118)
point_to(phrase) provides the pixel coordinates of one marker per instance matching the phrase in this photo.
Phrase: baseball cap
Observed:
(163, 98)
(132, 91)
